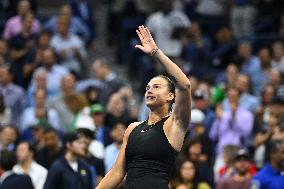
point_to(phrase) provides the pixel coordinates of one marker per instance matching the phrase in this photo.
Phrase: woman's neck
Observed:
(155, 116)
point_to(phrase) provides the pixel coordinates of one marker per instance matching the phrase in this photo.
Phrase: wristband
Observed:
(153, 52)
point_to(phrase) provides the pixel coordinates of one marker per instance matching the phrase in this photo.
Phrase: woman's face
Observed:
(157, 93)
(187, 171)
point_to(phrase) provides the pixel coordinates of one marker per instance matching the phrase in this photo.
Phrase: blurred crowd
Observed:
(63, 118)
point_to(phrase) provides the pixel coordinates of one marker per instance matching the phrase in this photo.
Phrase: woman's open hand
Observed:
(148, 44)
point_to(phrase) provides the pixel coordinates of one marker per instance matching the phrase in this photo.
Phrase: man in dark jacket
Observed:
(9, 179)
(69, 171)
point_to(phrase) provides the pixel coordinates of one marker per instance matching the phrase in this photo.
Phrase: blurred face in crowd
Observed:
(92, 95)
(5, 76)
(241, 165)
(244, 50)
(78, 147)
(23, 7)
(100, 70)
(117, 132)
(233, 96)
(8, 136)
(278, 156)
(232, 74)
(187, 171)
(194, 151)
(275, 77)
(224, 35)
(98, 119)
(68, 83)
(66, 10)
(3, 48)
(278, 133)
(28, 22)
(51, 140)
(40, 98)
(63, 23)
(268, 93)
(23, 153)
(44, 40)
(41, 80)
(243, 83)
(265, 58)
(48, 58)
(278, 50)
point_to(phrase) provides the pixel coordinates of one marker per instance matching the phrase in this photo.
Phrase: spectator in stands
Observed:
(275, 77)
(232, 126)
(223, 166)
(246, 61)
(14, 25)
(69, 171)
(22, 52)
(68, 46)
(186, 177)
(9, 179)
(112, 150)
(102, 131)
(242, 177)
(229, 78)
(247, 100)
(93, 94)
(271, 175)
(194, 151)
(112, 83)
(196, 51)
(84, 10)
(8, 138)
(77, 26)
(165, 24)
(260, 77)
(30, 116)
(51, 149)
(26, 165)
(77, 104)
(14, 97)
(211, 15)
(54, 72)
(242, 17)
(278, 56)
(96, 165)
(4, 59)
(58, 103)
(5, 112)
(224, 49)
(201, 101)
(39, 83)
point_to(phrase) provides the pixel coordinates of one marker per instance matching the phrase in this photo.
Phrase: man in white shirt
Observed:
(68, 46)
(163, 24)
(26, 165)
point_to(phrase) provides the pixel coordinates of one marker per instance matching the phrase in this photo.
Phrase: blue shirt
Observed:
(268, 178)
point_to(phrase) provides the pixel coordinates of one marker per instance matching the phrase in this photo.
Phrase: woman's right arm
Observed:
(114, 177)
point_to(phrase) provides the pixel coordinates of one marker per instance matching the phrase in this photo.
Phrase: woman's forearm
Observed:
(172, 69)
(111, 180)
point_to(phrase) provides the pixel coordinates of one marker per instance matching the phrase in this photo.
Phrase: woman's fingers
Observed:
(139, 35)
(143, 31)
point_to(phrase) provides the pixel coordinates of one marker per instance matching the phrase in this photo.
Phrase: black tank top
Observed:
(149, 157)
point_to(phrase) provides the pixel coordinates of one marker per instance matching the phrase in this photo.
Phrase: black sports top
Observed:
(149, 157)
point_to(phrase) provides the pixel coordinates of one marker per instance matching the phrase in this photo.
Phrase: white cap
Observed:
(197, 116)
(85, 122)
